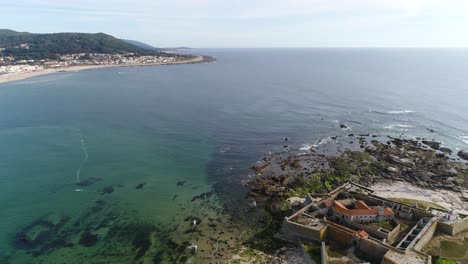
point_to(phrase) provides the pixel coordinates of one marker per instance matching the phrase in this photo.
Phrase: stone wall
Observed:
(420, 213)
(372, 248)
(324, 254)
(453, 229)
(390, 236)
(299, 231)
(401, 210)
(339, 235)
(460, 226)
(424, 238)
(307, 259)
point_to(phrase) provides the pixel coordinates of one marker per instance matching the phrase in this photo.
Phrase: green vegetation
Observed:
(48, 46)
(419, 203)
(385, 225)
(453, 249)
(351, 166)
(248, 253)
(314, 252)
(263, 238)
(302, 186)
(334, 253)
(446, 261)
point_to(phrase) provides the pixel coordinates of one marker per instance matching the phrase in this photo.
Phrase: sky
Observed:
(250, 23)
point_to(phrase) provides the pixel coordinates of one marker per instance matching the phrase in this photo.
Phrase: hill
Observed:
(24, 45)
(140, 44)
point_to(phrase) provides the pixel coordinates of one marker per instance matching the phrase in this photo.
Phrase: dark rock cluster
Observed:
(420, 162)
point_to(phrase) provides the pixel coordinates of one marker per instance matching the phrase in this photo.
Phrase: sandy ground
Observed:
(24, 75)
(445, 198)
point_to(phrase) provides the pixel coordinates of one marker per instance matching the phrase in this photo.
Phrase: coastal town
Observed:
(12, 69)
(10, 65)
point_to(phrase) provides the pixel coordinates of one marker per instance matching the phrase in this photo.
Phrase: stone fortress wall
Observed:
(374, 248)
(454, 228)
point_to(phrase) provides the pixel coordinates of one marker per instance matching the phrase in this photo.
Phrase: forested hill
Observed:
(23, 45)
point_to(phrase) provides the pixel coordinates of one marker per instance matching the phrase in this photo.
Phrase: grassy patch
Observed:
(332, 253)
(303, 186)
(314, 252)
(453, 249)
(419, 203)
(248, 253)
(446, 261)
(385, 225)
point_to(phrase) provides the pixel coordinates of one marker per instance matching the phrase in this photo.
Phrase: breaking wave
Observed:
(400, 112)
(307, 146)
(464, 139)
(393, 112)
(85, 153)
(401, 126)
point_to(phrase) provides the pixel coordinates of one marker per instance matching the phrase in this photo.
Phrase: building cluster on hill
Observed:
(20, 68)
(10, 65)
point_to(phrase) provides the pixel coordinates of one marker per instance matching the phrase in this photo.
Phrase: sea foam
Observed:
(403, 126)
(400, 112)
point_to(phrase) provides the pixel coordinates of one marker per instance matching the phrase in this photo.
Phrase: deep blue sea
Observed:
(112, 164)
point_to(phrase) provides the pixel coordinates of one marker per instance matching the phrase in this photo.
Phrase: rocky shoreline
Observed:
(365, 159)
(414, 167)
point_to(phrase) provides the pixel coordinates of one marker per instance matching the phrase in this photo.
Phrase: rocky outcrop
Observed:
(295, 201)
(433, 144)
(374, 159)
(463, 154)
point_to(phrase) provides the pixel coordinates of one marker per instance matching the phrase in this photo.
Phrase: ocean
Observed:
(114, 165)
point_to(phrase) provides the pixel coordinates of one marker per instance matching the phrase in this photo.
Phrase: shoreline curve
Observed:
(7, 78)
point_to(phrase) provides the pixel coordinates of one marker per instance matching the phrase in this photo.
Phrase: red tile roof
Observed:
(339, 207)
(362, 233)
(361, 205)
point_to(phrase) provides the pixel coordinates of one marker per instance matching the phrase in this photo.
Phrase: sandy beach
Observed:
(4, 78)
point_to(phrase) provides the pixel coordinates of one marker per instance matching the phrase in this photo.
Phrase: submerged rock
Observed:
(193, 248)
(88, 181)
(88, 239)
(181, 183)
(140, 186)
(27, 238)
(194, 221)
(107, 190)
(202, 196)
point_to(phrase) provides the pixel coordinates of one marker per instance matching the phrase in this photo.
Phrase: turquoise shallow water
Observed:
(156, 137)
(55, 140)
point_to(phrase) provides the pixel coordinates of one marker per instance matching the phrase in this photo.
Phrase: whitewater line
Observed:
(85, 152)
